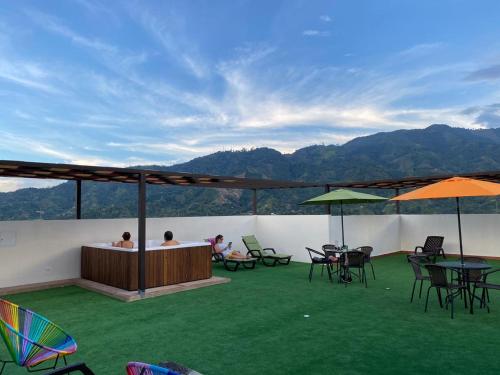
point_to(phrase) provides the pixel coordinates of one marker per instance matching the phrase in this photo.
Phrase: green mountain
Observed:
(438, 149)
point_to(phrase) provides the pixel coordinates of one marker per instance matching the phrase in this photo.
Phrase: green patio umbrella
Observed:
(344, 196)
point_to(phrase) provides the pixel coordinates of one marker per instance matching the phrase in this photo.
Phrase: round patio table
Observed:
(466, 267)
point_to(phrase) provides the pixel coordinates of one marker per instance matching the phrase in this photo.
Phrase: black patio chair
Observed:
(485, 286)
(331, 250)
(416, 265)
(440, 281)
(318, 258)
(368, 259)
(433, 247)
(474, 275)
(353, 260)
(78, 367)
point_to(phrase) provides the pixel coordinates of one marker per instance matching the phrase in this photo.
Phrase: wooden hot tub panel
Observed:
(163, 267)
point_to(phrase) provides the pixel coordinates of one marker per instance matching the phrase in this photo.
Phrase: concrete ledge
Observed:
(37, 286)
(130, 296)
(120, 294)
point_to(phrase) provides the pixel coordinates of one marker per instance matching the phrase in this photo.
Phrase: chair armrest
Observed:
(486, 274)
(80, 367)
(269, 248)
(418, 247)
(315, 252)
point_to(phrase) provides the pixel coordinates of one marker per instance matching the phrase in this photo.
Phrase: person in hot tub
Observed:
(225, 249)
(126, 243)
(169, 239)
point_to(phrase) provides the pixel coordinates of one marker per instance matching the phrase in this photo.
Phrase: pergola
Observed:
(142, 177)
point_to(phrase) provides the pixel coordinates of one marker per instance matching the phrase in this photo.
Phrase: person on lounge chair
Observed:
(169, 239)
(126, 243)
(225, 249)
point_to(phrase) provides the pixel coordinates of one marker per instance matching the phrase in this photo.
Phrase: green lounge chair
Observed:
(267, 256)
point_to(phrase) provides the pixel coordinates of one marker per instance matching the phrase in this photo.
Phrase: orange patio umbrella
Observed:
(455, 187)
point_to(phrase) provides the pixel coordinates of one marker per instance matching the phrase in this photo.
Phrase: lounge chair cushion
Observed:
(252, 243)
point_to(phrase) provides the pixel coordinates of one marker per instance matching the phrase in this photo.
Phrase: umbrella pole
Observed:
(342, 222)
(460, 231)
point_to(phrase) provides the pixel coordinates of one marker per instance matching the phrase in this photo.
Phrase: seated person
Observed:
(169, 239)
(225, 249)
(333, 259)
(126, 243)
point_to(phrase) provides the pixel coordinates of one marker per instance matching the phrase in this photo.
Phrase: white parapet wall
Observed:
(290, 234)
(382, 232)
(480, 233)
(45, 251)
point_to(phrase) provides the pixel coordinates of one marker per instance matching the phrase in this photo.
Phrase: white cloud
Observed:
(53, 24)
(325, 18)
(319, 33)
(421, 50)
(12, 183)
(27, 74)
(168, 32)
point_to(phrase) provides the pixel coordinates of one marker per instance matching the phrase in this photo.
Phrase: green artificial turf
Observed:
(256, 324)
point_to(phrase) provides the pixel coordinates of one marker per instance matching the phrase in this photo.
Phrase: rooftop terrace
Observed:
(256, 324)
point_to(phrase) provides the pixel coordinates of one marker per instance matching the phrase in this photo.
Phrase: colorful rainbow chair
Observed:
(31, 339)
(139, 368)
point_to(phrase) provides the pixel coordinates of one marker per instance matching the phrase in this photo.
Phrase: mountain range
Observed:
(437, 149)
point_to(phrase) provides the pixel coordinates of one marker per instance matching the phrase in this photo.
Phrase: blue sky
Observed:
(126, 83)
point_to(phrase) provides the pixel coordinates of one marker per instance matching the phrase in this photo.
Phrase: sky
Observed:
(161, 82)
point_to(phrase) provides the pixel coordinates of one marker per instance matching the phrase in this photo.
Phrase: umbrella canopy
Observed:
(341, 196)
(455, 187)
(344, 196)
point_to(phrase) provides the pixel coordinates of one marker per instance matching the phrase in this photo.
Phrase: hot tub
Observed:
(165, 265)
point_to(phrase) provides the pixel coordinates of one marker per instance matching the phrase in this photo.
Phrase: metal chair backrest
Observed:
(319, 256)
(355, 258)
(330, 249)
(415, 266)
(437, 275)
(475, 275)
(433, 243)
(367, 250)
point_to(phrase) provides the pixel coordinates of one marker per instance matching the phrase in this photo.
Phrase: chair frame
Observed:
(368, 257)
(264, 258)
(81, 367)
(32, 366)
(332, 249)
(452, 291)
(323, 261)
(361, 266)
(435, 250)
(482, 284)
(415, 262)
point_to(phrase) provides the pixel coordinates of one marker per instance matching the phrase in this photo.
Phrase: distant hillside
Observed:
(437, 149)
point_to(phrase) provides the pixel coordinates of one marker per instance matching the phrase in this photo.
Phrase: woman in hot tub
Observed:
(126, 243)
(225, 249)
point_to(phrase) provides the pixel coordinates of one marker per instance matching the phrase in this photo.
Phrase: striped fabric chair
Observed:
(31, 339)
(139, 368)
